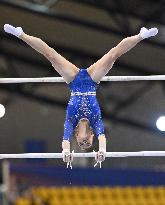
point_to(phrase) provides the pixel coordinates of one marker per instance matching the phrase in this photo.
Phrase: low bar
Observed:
(81, 155)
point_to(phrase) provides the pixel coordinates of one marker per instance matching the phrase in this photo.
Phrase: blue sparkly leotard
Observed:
(83, 104)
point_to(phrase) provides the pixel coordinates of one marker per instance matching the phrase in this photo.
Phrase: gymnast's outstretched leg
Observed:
(65, 68)
(102, 66)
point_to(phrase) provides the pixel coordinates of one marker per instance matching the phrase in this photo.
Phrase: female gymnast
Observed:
(83, 115)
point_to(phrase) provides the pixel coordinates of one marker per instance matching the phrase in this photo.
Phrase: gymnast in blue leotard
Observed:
(83, 105)
(83, 116)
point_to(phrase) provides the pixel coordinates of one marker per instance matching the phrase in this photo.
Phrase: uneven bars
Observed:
(60, 79)
(80, 155)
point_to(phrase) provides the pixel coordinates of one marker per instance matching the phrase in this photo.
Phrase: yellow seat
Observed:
(126, 193)
(23, 201)
(97, 196)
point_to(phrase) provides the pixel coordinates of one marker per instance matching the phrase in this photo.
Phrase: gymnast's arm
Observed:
(60, 64)
(67, 156)
(66, 145)
(102, 143)
(101, 154)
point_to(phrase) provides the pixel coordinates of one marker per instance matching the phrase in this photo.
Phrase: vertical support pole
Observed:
(5, 181)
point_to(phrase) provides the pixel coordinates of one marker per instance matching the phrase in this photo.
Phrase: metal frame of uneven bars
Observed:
(60, 79)
(80, 155)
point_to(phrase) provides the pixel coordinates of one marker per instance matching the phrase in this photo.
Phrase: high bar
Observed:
(60, 79)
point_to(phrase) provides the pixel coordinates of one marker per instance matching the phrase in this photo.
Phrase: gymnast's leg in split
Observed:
(65, 68)
(103, 65)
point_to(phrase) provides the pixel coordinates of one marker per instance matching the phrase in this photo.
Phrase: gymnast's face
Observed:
(84, 135)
